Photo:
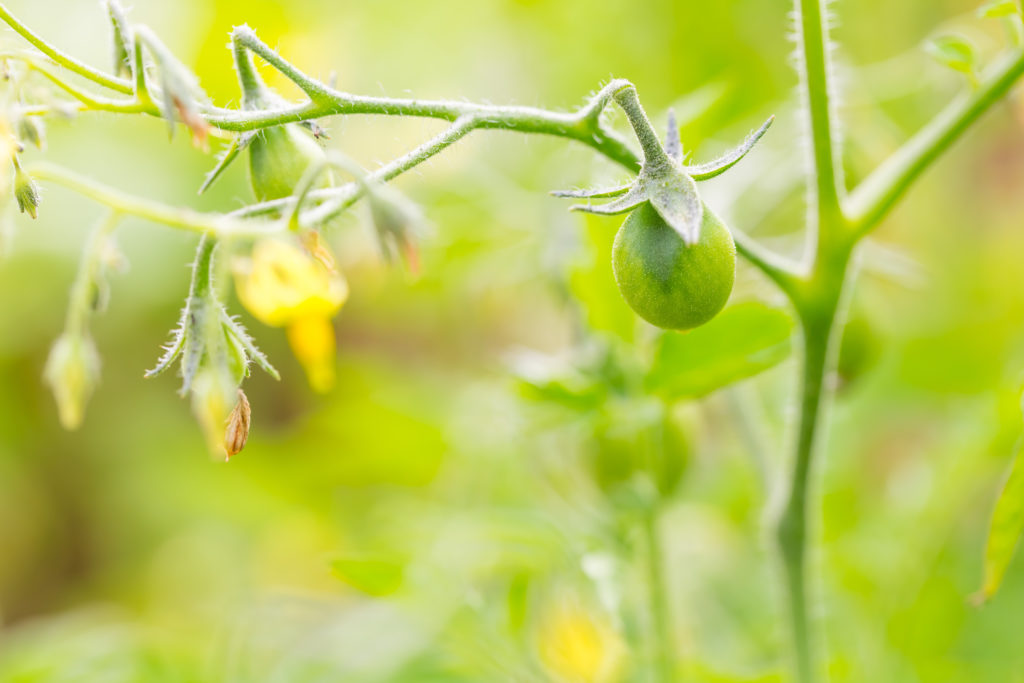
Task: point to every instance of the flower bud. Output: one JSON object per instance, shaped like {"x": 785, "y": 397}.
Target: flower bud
{"x": 213, "y": 396}
{"x": 396, "y": 220}
{"x": 26, "y": 192}
{"x": 31, "y": 131}
{"x": 237, "y": 431}
{"x": 72, "y": 371}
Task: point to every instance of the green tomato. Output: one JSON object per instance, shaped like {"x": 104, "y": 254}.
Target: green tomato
{"x": 278, "y": 158}
{"x": 638, "y": 438}
{"x": 665, "y": 281}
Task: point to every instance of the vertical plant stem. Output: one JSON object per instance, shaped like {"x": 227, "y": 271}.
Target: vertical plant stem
{"x": 815, "y": 73}
{"x": 662, "y": 669}
{"x": 817, "y": 303}
{"x": 792, "y": 531}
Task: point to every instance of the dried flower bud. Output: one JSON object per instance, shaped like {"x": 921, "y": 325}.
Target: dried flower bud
{"x": 72, "y": 371}
{"x": 26, "y": 192}
{"x": 237, "y": 431}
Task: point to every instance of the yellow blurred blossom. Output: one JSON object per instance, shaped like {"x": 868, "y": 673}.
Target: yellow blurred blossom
{"x": 283, "y": 286}
{"x": 579, "y": 645}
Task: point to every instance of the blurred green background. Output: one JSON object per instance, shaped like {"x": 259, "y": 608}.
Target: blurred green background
{"x": 436, "y": 519}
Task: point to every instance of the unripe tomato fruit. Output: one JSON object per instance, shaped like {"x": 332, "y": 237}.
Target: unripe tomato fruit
{"x": 666, "y": 282}
{"x": 278, "y": 158}
{"x": 639, "y": 438}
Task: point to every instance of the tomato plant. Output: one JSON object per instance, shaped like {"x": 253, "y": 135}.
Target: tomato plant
{"x": 673, "y": 261}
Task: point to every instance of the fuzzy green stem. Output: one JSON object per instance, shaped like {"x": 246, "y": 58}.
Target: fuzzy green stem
{"x": 67, "y": 61}
{"x": 201, "y": 286}
{"x": 792, "y": 529}
{"x": 336, "y": 200}
{"x": 139, "y": 77}
{"x": 249, "y": 79}
{"x": 317, "y": 91}
{"x": 815, "y": 73}
{"x": 873, "y": 198}
{"x": 184, "y": 219}
{"x": 817, "y": 302}
{"x": 654, "y": 153}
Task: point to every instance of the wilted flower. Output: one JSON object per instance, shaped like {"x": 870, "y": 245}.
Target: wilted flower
{"x": 283, "y": 286}
{"x": 237, "y": 431}
{"x": 72, "y": 371}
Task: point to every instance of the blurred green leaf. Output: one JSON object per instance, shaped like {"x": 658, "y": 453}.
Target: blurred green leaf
{"x": 1005, "y": 529}
{"x": 742, "y": 341}
{"x": 593, "y": 284}
{"x": 955, "y": 52}
{"x": 372, "y": 575}
{"x": 999, "y": 8}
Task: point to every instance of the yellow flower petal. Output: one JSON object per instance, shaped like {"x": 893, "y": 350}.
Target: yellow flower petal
{"x": 285, "y": 284}
{"x": 312, "y": 341}
{"x": 578, "y": 645}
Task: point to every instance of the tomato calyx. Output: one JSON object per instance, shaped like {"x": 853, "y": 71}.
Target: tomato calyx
{"x": 663, "y": 180}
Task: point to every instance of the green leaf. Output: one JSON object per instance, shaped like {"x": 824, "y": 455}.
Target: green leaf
{"x": 999, "y": 8}
{"x": 1005, "y": 529}
{"x": 740, "y": 342}
{"x": 373, "y": 576}
{"x": 593, "y": 284}
{"x": 955, "y": 52}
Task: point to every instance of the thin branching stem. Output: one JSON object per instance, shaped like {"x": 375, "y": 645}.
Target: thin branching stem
{"x": 67, "y": 61}
{"x": 182, "y": 218}
{"x": 873, "y": 198}
{"x": 815, "y": 288}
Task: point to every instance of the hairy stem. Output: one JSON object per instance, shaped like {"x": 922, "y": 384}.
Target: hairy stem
{"x": 817, "y": 302}
{"x": 793, "y": 524}
{"x": 873, "y": 198}
{"x": 815, "y": 74}
{"x": 67, "y": 61}
{"x": 181, "y": 218}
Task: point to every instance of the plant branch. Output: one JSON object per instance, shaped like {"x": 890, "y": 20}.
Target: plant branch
{"x": 815, "y": 73}
{"x": 67, "y": 61}
{"x": 317, "y": 91}
{"x": 90, "y": 101}
{"x": 584, "y": 126}
{"x": 184, "y": 219}
{"x": 873, "y": 198}
{"x": 816, "y": 299}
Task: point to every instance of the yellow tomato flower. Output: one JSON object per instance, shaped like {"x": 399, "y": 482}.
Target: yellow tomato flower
{"x": 283, "y": 286}
{"x": 312, "y": 341}
{"x": 578, "y": 645}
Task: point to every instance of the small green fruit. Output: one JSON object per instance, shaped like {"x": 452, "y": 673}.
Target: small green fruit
{"x": 666, "y": 282}
{"x": 278, "y": 158}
